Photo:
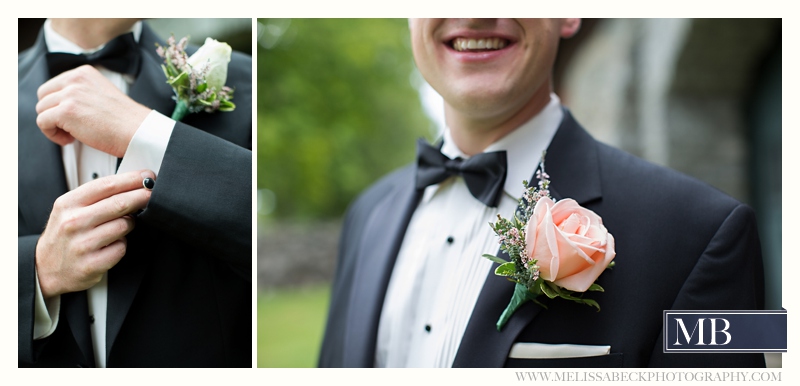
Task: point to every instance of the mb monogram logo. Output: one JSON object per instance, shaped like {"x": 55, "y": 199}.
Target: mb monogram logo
{"x": 725, "y": 331}
{"x": 688, "y": 338}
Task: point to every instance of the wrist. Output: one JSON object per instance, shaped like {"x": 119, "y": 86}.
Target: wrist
{"x": 48, "y": 282}
{"x": 133, "y": 123}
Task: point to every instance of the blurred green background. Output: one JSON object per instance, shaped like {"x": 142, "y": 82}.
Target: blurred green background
{"x": 338, "y": 107}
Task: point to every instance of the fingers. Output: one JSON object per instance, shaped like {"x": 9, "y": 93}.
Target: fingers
{"x": 48, "y": 101}
{"x": 109, "y": 232}
{"x": 59, "y": 136}
{"x": 48, "y": 118}
{"x": 64, "y": 79}
{"x": 107, "y": 257}
{"x": 89, "y": 108}
{"x": 102, "y": 188}
{"x": 118, "y": 205}
{"x": 48, "y": 122}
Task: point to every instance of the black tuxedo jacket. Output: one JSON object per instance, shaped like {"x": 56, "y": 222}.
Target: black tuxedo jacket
{"x": 680, "y": 245}
{"x": 181, "y": 296}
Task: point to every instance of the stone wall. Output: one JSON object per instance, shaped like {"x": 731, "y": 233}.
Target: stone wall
{"x": 296, "y": 254}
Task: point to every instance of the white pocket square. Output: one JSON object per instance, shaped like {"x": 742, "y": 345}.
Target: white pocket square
{"x": 548, "y": 351}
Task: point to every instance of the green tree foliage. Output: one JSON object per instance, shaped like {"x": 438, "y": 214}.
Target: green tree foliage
{"x": 337, "y": 109}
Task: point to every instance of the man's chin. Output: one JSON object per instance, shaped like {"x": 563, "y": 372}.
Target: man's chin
{"x": 480, "y": 101}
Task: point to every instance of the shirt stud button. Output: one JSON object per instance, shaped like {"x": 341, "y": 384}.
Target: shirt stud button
{"x": 91, "y": 319}
{"x": 450, "y": 239}
{"x": 94, "y": 176}
{"x": 428, "y": 327}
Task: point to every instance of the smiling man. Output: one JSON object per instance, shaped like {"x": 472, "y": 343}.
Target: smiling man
{"x": 412, "y": 288}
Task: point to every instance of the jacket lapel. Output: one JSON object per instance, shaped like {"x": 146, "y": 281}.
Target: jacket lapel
{"x": 572, "y": 164}
{"x": 151, "y": 90}
{"x": 377, "y": 253}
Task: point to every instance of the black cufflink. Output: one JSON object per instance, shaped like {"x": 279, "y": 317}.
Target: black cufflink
{"x": 149, "y": 183}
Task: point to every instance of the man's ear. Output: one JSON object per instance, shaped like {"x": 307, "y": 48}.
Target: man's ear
{"x": 569, "y": 27}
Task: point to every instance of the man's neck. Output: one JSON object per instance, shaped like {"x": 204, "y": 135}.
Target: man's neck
{"x": 473, "y": 135}
{"x": 91, "y": 33}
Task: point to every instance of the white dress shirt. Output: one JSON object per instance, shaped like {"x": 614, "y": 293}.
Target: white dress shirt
{"x": 82, "y": 164}
{"x": 440, "y": 271}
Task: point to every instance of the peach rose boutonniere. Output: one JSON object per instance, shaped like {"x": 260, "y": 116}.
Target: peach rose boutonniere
{"x": 557, "y": 249}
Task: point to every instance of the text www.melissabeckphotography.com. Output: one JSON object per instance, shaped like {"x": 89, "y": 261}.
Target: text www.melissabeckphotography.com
{"x": 646, "y": 376}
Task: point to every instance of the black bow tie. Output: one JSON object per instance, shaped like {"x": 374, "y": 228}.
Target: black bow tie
{"x": 119, "y": 55}
{"x": 485, "y": 173}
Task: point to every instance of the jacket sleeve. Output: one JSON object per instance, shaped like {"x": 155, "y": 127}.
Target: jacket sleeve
{"x": 203, "y": 196}
{"x": 28, "y": 348}
{"x": 729, "y": 275}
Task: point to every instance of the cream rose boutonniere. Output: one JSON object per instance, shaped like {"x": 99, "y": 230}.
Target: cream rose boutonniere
{"x": 199, "y": 80}
{"x": 557, "y": 249}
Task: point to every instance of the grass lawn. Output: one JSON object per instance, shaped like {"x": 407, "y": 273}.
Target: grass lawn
{"x": 290, "y": 326}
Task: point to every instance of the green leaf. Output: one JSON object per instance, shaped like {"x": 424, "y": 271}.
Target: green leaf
{"x": 547, "y": 290}
{"x": 519, "y": 224}
{"x": 592, "y": 303}
{"x": 596, "y": 287}
{"x": 226, "y": 106}
{"x": 558, "y": 290}
{"x": 505, "y": 269}
{"x": 181, "y": 80}
{"x": 495, "y": 259}
{"x": 611, "y": 265}
{"x": 202, "y": 87}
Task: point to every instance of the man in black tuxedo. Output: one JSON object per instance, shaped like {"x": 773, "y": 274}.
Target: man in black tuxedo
{"x": 167, "y": 267}
{"x": 411, "y": 288}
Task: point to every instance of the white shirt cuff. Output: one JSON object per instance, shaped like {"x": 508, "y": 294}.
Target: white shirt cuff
{"x": 148, "y": 145}
{"x": 45, "y": 313}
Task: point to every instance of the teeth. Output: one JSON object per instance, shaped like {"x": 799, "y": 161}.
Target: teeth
{"x": 463, "y": 44}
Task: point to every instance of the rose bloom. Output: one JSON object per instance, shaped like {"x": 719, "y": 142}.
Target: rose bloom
{"x": 216, "y": 56}
{"x": 570, "y": 243}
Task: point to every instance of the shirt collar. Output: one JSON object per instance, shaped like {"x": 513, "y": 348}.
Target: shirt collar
{"x": 58, "y": 43}
{"x": 523, "y": 146}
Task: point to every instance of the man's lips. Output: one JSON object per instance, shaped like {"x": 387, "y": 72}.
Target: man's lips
{"x": 462, "y": 44}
